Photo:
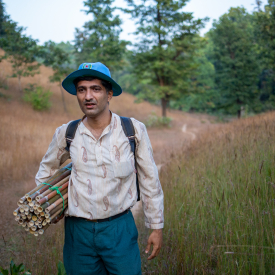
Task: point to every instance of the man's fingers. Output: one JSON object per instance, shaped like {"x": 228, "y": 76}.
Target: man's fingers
{"x": 154, "y": 253}
{"x": 147, "y": 249}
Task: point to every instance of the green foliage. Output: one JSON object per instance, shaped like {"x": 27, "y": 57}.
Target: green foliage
{"x": 14, "y": 270}
{"x": 59, "y": 57}
{"x": 165, "y": 52}
{"x": 99, "y": 38}
{"x": 20, "y": 269}
{"x": 155, "y": 121}
{"x": 264, "y": 21}
{"x": 37, "y": 97}
{"x": 61, "y": 268}
{"x": 235, "y": 59}
{"x": 20, "y": 50}
{"x": 3, "y": 18}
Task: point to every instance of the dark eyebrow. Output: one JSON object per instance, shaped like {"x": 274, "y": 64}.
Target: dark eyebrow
{"x": 84, "y": 87}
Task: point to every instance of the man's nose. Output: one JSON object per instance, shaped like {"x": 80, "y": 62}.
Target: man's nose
{"x": 89, "y": 94}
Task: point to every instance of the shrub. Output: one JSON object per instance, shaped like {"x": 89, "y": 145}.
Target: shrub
{"x": 37, "y": 97}
{"x": 20, "y": 269}
{"x": 155, "y": 121}
{"x": 14, "y": 270}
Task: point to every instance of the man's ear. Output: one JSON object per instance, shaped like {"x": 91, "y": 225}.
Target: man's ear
{"x": 110, "y": 95}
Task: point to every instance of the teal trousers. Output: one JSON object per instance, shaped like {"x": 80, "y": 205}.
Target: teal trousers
{"x": 101, "y": 248}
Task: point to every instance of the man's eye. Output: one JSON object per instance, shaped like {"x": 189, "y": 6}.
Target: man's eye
{"x": 97, "y": 89}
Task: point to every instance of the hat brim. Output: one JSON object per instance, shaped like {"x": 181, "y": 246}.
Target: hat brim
{"x": 68, "y": 82}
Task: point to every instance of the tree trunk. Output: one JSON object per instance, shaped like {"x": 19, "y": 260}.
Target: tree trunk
{"x": 239, "y": 113}
{"x": 19, "y": 84}
{"x": 63, "y": 98}
{"x": 164, "y": 106}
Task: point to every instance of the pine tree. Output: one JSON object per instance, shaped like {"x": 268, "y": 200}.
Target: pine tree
{"x": 99, "y": 40}
{"x": 20, "y": 50}
{"x": 235, "y": 60}
{"x": 166, "y": 50}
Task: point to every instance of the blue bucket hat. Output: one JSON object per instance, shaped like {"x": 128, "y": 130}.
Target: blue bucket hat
{"x": 97, "y": 70}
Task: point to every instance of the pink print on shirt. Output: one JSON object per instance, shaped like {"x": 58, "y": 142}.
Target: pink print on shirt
{"x": 90, "y": 189}
{"x": 117, "y": 154}
{"x": 115, "y": 123}
{"x": 106, "y": 203}
{"x": 130, "y": 193}
{"x": 91, "y": 216}
{"x": 104, "y": 171}
{"x": 59, "y": 153}
{"x": 84, "y": 156}
{"x": 133, "y": 165}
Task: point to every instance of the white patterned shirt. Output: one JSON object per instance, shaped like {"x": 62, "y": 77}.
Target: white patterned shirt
{"x": 103, "y": 179}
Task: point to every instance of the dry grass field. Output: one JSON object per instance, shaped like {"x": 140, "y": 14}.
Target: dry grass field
{"x": 219, "y": 202}
{"x": 24, "y": 137}
{"x": 218, "y": 182}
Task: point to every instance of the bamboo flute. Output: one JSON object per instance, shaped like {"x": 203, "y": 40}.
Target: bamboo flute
{"x": 16, "y": 211}
{"x": 53, "y": 193}
{"x": 39, "y": 197}
{"x": 52, "y": 200}
{"x": 41, "y": 231}
{"x": 58, "y": 173}
{"x": 60, "y": 206}
{"x": 22, "y": 200}
{"x": 46, "y": 187}
{"x": 52, "y": 206}
{"x": 42, "y": 206}
{"x": 50, "y": 219}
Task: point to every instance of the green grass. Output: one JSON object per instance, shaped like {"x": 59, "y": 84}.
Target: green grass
{"x": 220, "y": 203}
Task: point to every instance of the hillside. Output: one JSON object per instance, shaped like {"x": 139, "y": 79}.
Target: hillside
{"x": 24, "y": 137}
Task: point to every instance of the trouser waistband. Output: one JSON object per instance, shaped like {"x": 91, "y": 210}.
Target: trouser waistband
{"x": 110, "y": 218}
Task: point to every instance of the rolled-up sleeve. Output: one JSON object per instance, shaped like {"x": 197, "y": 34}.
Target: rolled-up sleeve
{"x": 150, "y": 187}
{"x": 55, "y": 156}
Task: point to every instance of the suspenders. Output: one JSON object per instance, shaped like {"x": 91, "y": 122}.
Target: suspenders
{"x": 129, "y": 132}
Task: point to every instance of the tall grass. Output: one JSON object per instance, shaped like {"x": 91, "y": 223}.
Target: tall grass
{"x": 220, "y": 203}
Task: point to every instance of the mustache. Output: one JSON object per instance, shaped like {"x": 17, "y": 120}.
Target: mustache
{"x": 89, "y": 101}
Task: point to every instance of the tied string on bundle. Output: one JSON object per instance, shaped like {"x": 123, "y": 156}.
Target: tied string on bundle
{"x": 56, "y": 188}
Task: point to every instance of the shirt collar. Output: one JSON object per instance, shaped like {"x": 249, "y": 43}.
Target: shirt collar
{"x": 84, "y": 130}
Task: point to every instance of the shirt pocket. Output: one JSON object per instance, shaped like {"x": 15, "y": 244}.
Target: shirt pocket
{"x": 123, "y": 169}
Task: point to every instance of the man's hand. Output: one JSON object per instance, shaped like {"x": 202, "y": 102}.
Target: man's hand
{"x": 58, "y": 219}
{"x": 154, "y": 239}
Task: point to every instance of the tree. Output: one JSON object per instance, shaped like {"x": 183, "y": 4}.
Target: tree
{"x": 20, "y": 50}
{"x": 165, "y": 52}
{"x": 99, "y": 39}
{"x": 3, "y": 18}
{"x": 265, "y": 33}
{"x": 59, "y": 58}
{"x": 235, "y": 60}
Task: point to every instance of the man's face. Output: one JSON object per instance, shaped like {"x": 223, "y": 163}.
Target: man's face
{"x": 92, "y": 97}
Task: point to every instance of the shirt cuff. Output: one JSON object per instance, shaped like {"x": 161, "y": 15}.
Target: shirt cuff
{"x": 154, "y": 225}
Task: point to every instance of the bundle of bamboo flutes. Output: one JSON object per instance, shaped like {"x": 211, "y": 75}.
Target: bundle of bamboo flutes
{"x": 45, "y": 203}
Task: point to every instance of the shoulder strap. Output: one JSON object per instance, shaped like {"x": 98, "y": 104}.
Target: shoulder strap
{"x": 70, "y": 133}
{"x": 129, "y": 131}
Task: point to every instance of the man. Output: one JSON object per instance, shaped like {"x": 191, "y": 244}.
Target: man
{"x": 100, "y": 232}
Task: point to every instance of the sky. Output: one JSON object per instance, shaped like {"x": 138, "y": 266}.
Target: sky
{"x": 56, "y": 20}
